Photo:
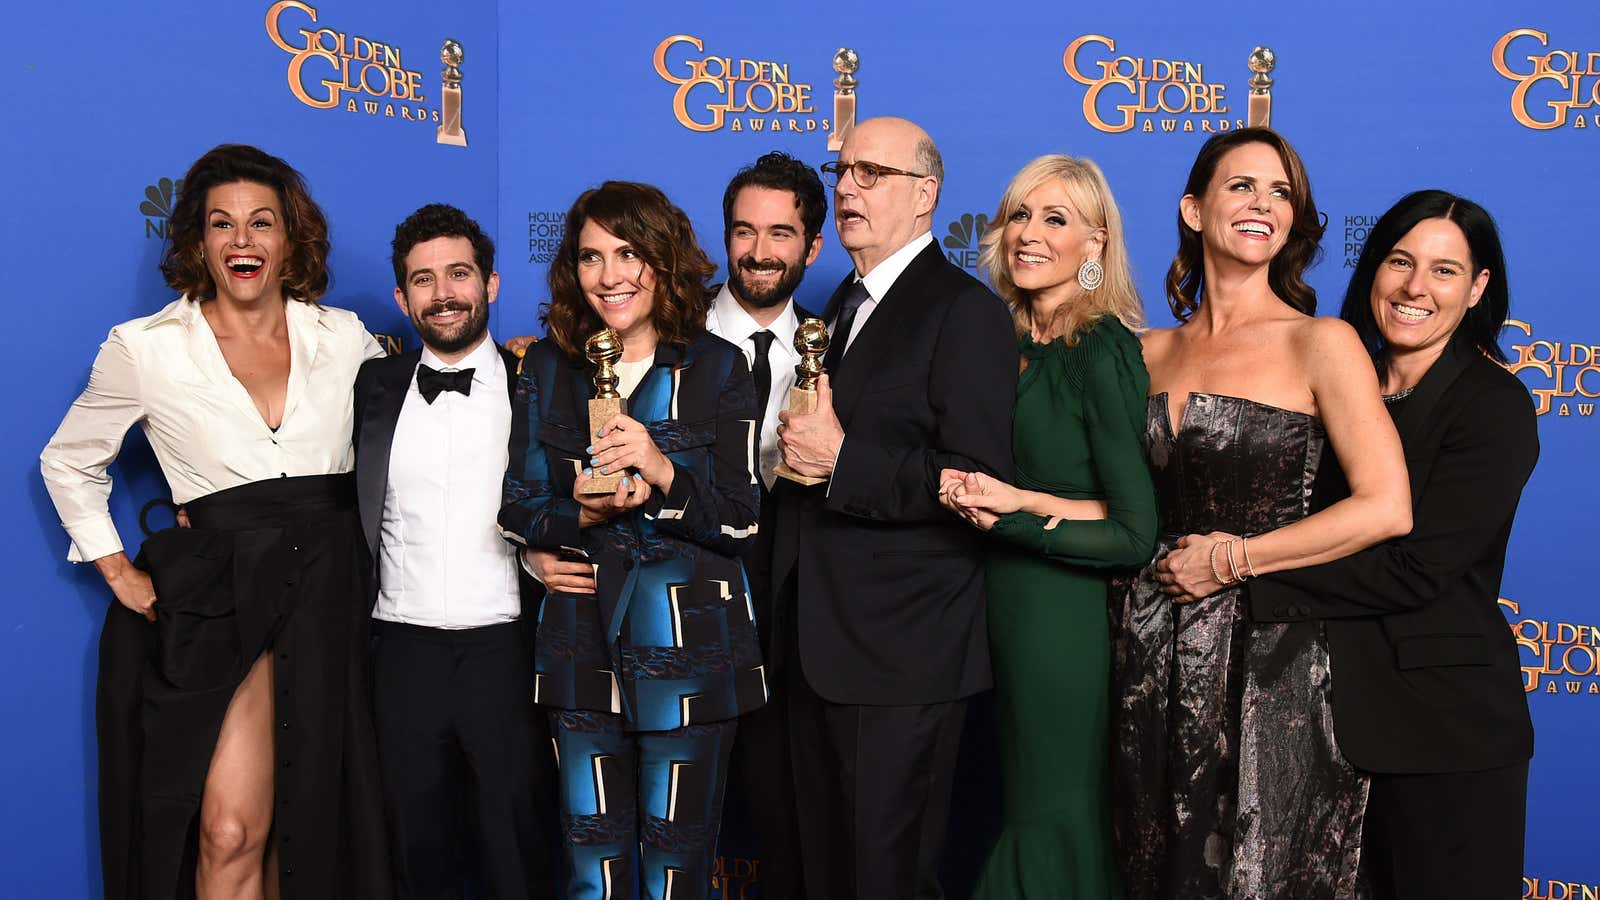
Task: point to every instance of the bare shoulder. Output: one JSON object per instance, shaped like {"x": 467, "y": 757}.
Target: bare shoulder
{"x": 1327, "y": 340}
{"x": 1157, "y": 340}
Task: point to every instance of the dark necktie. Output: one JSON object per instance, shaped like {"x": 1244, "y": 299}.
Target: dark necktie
{"x": 431, "y": 382}
{"x": 763, "y": 376}
{"x": 843, "y": 323}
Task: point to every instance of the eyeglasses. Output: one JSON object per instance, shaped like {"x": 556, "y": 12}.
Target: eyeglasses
{"x": 866, "y": 174}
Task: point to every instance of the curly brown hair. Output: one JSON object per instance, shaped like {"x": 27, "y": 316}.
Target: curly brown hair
{"x": 658, "y": 231}
{"x": 1286, "y": 273}
{"x": 304, "y": 274}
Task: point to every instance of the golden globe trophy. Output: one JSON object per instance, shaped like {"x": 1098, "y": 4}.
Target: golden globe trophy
{"x": 450, "y": 131}
{"x": 811, "y": 342}
{"x": 604, "y": 349}
{"x": 1262, "y": 62}
{"x": 845, "y": 62}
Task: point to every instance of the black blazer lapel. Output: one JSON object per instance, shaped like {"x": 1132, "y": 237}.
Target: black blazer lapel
{"x": 382, "y": 411}
{"x": 876, "y": 337}
{"x": 1412, "y": 420}
{"x": 513, "y": 368}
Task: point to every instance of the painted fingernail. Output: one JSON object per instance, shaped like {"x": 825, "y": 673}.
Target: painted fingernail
{"x": 589, "y": 449}
{"x": 624, "y": 479}
{"x": 606, "y": 470}
{"x": 600, "y": 433}
{"x": 594, "y": 462}
{"x": 588, "y": 471}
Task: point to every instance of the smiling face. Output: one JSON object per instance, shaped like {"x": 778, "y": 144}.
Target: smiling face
{"x": 1424, "y": 287}
{"x": 618, "y": 284}
{"x": 446, "y": 297}
{"x": 1245, "y": 213}
{"x": 246, "y": 244}
{"x": 1045, "y": 241}
{"x": 767, "y": 253}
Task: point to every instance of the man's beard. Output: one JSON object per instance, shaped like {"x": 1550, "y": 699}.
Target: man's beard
{"x": 764, "y": 298}
{"x": 459, "y": 337}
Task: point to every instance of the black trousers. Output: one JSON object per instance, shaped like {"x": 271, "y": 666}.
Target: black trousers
{"x": 1455, "y": 835}
{"x": 872, "y": 785}
{"x": 764, "y": 772}
{"x": 467, "y": 763}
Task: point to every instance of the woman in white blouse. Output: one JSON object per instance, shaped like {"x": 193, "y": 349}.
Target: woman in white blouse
{"x": 242, "y": 701}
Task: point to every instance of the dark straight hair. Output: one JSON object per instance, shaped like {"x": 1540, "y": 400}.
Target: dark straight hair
{"x": 1482, "y": 323}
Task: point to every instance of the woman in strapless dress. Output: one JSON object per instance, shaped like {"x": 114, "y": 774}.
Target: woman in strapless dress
{"x": 1227, "y": 780}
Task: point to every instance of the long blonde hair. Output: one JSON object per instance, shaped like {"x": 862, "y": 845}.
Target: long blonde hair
{"x": 1091, "y": 198}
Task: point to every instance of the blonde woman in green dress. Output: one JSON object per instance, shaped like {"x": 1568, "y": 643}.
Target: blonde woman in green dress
{"x": 1083, "y": 506}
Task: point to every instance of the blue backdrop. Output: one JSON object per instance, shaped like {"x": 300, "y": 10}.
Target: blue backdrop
{"x": 107, "y": 106}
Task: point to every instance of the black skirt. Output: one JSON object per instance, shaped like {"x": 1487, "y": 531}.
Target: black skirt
{"x": 276, "y": 567}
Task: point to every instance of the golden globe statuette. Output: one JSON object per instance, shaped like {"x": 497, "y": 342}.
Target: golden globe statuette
{"x": 1262, "y": 62}
{"x": 604, "y": 349}
{"x": 845, "y": 62}
{"x": 811, "y": 342}
{"x": 450, "y": 131}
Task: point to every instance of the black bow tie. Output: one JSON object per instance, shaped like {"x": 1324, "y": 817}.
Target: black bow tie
{"x": 431, "y": 382}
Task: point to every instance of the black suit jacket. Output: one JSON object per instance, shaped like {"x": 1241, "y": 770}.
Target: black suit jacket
{"x": 1426, "y": 672}
{"x": 771, "y": 617}
{"x": 890, "y": 592}
{"x": 380, "y": 391}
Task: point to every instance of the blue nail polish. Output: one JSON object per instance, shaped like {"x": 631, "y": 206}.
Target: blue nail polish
{"x": 624, "y": 479}
{"x": 589, "y": 449}
{"x": 588, "y": 471}
{"x": 605, "y": 470}
{"x": 600, "y": 433}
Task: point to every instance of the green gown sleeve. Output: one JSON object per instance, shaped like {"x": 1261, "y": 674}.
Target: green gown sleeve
{"x": 1115, "y": 385}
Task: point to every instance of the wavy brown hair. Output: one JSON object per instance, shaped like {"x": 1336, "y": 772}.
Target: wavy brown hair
{"x": 304, "y": 274}
{"x": 642, "y": 216}
{"x": 1286, "y": 272}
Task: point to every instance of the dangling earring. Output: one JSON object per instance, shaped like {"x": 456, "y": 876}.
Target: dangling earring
{"x": 1090, "y": 274}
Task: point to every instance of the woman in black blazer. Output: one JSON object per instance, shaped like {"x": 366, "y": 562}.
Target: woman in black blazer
{"x": 1428, "y": 697}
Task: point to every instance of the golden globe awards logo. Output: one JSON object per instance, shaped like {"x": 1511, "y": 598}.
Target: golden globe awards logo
{"x": 1148, "y": 93}
{"x": 1550, "y": 889}
{"x": 1562, "y": 377}
{"x": 733, "y": 876}
{"x": 1557, "y": 657}
{"x": 716, "y": 92}
{"x": 1554, "y": 88}
{"x": 332, "y": 69}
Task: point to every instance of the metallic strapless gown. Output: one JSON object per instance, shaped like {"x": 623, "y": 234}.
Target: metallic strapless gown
{"x": 1227, "y": 780}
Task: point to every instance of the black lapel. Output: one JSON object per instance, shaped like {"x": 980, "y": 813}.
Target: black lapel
{"x": 1413, "y": 417}
{"x": 389, "y": 386}
{"x": 513, "y": 366}
{"x": 832, "y": 307}
{"x": 875, "y": 340}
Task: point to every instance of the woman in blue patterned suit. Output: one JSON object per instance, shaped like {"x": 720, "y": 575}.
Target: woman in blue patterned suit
{"x": 647, "y": 673}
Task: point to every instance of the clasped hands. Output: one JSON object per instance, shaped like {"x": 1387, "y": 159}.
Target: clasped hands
{"x": 622, "y": 443}
{"x": 1185, "y": 573}
{"x": 810, "y": 441}
{"x": 978, "y": 498}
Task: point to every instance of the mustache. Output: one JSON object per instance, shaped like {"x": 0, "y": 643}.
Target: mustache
{"x": 771, "y": 265}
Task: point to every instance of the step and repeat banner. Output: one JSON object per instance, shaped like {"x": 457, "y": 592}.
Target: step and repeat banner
{"x": 107, "y": 106}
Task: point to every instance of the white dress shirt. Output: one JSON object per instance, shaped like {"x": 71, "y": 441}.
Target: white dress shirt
{"x": 879, "y": 281}
{"x": 728, "y": 320}
{"x": 441, "y": 560}
{"x": 167, "y": 373}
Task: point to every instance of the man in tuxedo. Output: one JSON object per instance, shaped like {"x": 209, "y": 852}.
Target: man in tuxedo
{"x": 464, "y": 753}
{"x": 887, "y": 588}
{"x": 772, "y": 215}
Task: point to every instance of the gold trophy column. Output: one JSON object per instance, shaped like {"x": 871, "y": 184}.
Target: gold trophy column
{"x": 1262, "y": 62}
{"x": 450, "y": 131}
{"x": 604, "y": 349}
{"x": 811, "y": 342}
{"x": 845, "y": 62}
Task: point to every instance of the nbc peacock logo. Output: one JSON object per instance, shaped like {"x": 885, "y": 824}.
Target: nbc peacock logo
{"x": 159, "y": 198}
{"x": 961, "y": 241}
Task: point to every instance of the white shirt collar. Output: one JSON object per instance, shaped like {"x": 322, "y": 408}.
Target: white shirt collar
{"x": 481, "y": 360}
{"x": 884, "y": 274}
{"x": 735, "y": 326}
